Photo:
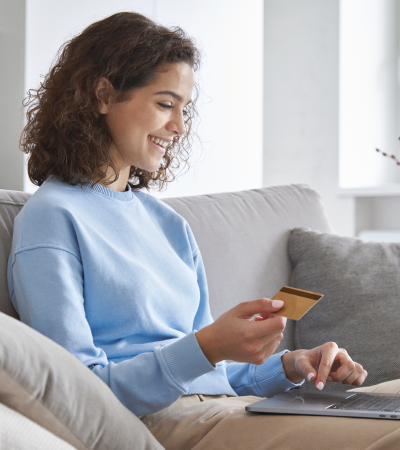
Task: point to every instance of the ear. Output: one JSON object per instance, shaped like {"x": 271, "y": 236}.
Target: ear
{"x": 103, "y": 91}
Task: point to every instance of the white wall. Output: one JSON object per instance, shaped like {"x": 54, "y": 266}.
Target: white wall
{"x": 12, "y": 50}
{"x": 301, "y": 110}
{"x": 377, "y": 213}
{"x": 369, "y": 92}
{"x": 369, "y": 108}
{"x": 229, "y": 32}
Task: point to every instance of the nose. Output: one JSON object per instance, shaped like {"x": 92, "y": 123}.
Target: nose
{"x": 176, "y": 124}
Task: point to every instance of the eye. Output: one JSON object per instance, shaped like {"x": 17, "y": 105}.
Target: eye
{"x": 165, "y": 106}
{"x": 185, "y": 112}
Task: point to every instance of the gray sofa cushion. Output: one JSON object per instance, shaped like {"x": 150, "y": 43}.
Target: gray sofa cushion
{"x": 360, "y": 310}
{"x": 42, "y": 381}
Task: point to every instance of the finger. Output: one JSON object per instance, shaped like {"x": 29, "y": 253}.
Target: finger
{"x": 357, "y": 372}
{"x": 347, "y": 368}
{"x": 328, "y": 355}
{"x": 360, "y": 380}
{"x": 269, "y": 348}
{"x": 304, "y": 366}
{"x": 273, "y": 316}
{"x": 248, "y": 309}
{"x": 271, "y": 328}
{"x": 263, "y": 316}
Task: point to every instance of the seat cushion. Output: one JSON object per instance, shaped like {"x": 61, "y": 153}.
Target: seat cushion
{"x": 11, "y": 203}
{"x": 360, "y": 310}
{"x": 43, "y": 382}
{"x": 34, "y": 437}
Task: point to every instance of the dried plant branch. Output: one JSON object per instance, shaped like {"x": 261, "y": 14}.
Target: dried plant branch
{"x": 390, "y": 156}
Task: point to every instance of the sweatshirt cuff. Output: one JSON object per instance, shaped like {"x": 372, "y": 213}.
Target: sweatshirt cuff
{"x": 183, "y": 361}
{"x": 270, "y": 377}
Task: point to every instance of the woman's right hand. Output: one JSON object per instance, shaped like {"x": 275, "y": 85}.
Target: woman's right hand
{"x": 234, "y": 336}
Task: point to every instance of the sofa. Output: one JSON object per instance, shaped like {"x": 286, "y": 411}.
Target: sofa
{"x": 53, "y": 401}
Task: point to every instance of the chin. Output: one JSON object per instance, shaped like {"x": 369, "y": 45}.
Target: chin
{"x": 150, "y": 168}
{"x": 155, "y": 167}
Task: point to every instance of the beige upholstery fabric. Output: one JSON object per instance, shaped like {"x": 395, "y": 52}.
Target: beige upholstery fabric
{"x": 11, "y": 203}
{"x": 204, "y": 422}
{"x": 45, "y": 383}
{"x": 243, "y": 238}
{"x": 19, "y": 433}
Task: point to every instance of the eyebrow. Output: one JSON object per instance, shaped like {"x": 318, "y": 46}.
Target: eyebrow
{"x": 172, "y": 94}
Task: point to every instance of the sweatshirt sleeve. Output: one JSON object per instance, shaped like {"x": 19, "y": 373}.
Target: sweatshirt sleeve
{"x": 46, "y": 285}
{"x": 265, "y": 380}
{"x": 203, "y": 316}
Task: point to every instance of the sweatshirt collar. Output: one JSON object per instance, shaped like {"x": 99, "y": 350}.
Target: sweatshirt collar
{"x": 127, "y": 195}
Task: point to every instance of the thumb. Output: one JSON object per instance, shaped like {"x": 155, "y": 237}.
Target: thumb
{"x": 262, "y": 305}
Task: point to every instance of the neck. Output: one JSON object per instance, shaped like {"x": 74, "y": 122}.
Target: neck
{"x": 120, "y": 184}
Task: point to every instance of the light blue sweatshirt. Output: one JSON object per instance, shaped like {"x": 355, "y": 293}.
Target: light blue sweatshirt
{"x": 117, "y": 279}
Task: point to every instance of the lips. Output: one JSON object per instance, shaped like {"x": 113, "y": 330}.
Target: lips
{"x": 159, "y": 141}
{"x": 157, "y": 146}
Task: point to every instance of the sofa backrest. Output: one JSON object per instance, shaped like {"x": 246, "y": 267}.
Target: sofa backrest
{"x": 11, "y": 203}
{"x": 243, "y": 238}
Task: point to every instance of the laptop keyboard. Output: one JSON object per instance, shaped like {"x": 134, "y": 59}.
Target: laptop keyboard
{"x": 363, "y": 402}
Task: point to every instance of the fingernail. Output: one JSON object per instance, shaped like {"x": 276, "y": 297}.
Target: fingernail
{"x": 309, "y": 376}
{"x": 320, "y": 385}
{"x": 277, "y": 303}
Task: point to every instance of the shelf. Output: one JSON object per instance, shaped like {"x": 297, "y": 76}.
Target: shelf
{"x": 388, "y": 190}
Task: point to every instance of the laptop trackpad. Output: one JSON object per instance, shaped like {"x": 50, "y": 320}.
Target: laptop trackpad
{"x": 301, "y": 399}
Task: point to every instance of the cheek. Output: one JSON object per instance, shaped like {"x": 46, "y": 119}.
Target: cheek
{"x": 122, "y": 126}
{"x": 116, "y": 123}
{"x": 153, "y": 119}
{"x": 135, "y": 123}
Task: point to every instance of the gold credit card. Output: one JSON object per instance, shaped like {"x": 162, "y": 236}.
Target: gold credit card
{"x": 297, "y": 302}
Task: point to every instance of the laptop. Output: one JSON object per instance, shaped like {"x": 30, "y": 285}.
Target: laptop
{"x": 343, "y": 404}
{"x": 316, "y": 403}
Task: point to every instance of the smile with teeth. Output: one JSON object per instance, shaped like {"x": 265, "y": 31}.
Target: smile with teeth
{"x": 158, "y": 141}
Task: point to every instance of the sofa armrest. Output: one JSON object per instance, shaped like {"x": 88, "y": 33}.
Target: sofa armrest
{"x": 43, "y": 382}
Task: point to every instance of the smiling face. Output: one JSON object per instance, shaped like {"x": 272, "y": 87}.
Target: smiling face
{"x": 144, "y": 125}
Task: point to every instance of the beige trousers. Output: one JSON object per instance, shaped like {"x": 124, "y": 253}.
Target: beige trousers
{"x": 207, "y": 422}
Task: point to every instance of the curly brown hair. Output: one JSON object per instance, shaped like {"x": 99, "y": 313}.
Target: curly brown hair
{"x": 65, "y": 133}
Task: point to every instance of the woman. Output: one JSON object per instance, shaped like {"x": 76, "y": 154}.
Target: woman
{"x": 113, "y": 274}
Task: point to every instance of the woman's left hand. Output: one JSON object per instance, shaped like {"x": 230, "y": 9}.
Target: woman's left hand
{"x": 325, "y": 363}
